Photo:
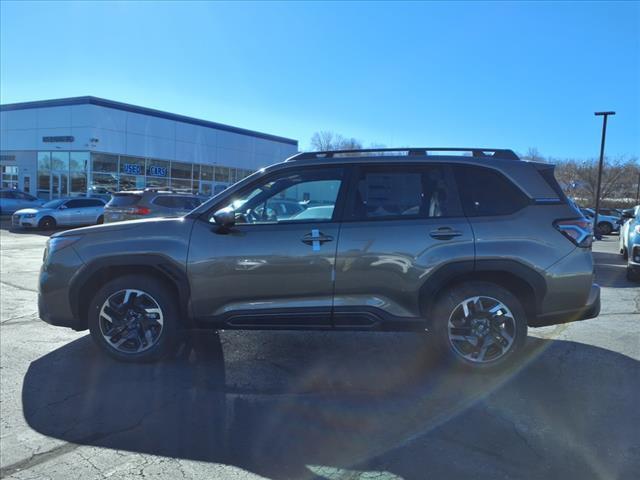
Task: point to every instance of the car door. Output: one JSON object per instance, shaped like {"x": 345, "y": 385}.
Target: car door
{"x": 74, "y": 213}
{"x": 265, "y": 271}
{"x": 91, "y": 208}
{"x": 402, "y": 228}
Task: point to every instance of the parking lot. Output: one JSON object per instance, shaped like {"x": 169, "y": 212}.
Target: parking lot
{"x": 316, "y": 405}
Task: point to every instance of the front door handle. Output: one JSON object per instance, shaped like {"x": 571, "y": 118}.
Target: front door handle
{"x": 444, "y": 233}
{"x": 316, "y": 238}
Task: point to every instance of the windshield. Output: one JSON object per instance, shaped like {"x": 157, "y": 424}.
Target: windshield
{"x": 53, "y": 204}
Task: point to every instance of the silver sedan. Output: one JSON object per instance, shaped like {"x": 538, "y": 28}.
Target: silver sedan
{"x": 62, "y": 212}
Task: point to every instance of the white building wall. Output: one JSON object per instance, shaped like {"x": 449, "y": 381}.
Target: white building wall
{"x": 129, "y": 133}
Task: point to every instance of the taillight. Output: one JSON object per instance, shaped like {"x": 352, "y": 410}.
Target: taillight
{"x": 141, "y": 211}
{"x": 137, "y": 210}
{"x": 578, "y": 230}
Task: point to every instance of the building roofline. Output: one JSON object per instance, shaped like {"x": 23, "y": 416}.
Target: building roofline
{"x": 126, "y": 107}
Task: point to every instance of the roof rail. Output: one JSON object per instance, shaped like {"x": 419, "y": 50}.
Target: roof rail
{"x": 501, "y": 153}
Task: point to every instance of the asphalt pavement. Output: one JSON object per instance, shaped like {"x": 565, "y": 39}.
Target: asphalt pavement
{"x": 325, "y": 405}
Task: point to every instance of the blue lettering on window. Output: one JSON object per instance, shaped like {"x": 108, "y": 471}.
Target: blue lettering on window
{"x": 132, "y": 169}
{"x": 158, "y": 171}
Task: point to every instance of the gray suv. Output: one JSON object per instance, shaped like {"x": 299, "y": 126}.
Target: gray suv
{"x": 137, "y": 204}
{"x": 472, "y": 247}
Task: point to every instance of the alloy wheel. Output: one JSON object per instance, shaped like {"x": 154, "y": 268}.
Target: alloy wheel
{"x": 131, "y": 321}
{"x": 481, "y": 329}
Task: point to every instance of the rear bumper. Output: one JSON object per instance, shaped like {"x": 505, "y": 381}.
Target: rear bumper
{"x": 590, "y": 310}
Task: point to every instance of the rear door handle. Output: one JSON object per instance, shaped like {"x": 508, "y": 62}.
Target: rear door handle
{"x": 444, "y": 233}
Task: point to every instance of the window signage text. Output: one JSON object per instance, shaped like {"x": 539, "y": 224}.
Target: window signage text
{"x": 67, "y": 139}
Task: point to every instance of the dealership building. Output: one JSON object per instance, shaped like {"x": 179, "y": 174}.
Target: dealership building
{"x": 92, "y": 146}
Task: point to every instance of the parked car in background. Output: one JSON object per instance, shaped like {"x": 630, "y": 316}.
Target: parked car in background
{"x": 137, "y": 204}
{"x": 63, "y": 212}
{"x": 607, "y": 224}
{"x": 630, "y": 242}
{"x": 12, "y": 200}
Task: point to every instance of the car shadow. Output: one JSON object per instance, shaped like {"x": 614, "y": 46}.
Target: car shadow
{"x": 5, "y": 224}
{"x": 322, "y": 405}
{"x": 611, "y": 270}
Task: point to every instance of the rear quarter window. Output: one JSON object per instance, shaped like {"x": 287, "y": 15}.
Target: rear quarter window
{"x": 123, "y": 200}
{"x": 486, "y": 192}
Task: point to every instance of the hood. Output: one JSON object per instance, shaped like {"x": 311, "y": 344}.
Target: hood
{"x": 32, "y": 210}
{"x": 119, "y": 226}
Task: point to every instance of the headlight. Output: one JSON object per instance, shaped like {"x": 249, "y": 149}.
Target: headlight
{"x": 29, "y": 215}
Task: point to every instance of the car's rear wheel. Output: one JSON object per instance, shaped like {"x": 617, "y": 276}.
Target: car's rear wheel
{"x": 47, "y": 223}
{"x": 605, "y": 228}
{"x": 479, "y": 325}
{"x": 100, "y": 220}
{"x": 134, "y": 318}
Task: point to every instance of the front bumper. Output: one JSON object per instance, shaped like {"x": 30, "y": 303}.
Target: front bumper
{"x": 22, "y": 222}
{"x": 590, "y": 310}
{"x": 54, "y": 306}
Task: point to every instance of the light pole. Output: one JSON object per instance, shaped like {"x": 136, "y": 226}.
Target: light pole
{"x": 604, "y": 134}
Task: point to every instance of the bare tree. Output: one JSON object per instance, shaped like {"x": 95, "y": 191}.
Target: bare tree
{"x": 533, "y": 155}
{"x": 327, "y": 140}
{"x": 579, "y": 179}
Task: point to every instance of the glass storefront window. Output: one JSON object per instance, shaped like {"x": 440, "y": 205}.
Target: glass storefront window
{"x": 131, "y": 182}
{"x": 44, "y": 172}
{"x": 157, "y": 182}
{"x": 131, "y": 165}
{"x": 196, "y": 172}
{"x": 60, "y": 161}
{"x": 157, "y": 168}
{"x": 222, "y": 174}
{"x": 180, "y": 170}
{"x": 78, "y": 183}
{"x": 103, "y": 183}
{"x": 181, "y": 185}
{"x": 9, "y": 175}
{"x": 78, "y": 161}
{"x": 206, "y": 172}
{"x": 104, "y": 163}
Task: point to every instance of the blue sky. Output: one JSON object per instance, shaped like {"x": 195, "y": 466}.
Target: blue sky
{"x": 499, "y": 74}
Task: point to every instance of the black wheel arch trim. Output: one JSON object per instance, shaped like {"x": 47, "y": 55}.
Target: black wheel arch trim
{"x": 165, "y": 266}
{"x": 471, "y": 270}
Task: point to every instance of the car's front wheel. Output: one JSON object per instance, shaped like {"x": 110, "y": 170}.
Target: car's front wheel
{"x": 47, "y": 223}
{"x": 633, "y": 273}
{"x": 134, "y": 318}
{"x": 479, "y": 325}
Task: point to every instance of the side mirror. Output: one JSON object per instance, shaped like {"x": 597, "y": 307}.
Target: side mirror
{"x": 62, "y": 207}
{"x": 225, "y": 217}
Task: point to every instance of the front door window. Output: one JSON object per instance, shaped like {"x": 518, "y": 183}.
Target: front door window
{"x": 300, "y": 197}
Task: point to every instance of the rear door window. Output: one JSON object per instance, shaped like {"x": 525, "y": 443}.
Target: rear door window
{"x": 123, "y": 200}
{"x": 486, "y": 192}
{"x": 403, "y": 192}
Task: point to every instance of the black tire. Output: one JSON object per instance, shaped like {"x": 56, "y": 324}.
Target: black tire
{"x": 625, "y": 254}
{"x": 605, "y": 228}
{"x": 448, "y": 306}
{"x": 47, "y": 223}
{"x": 165, "y": 300}
{"x": 100, "y": 220}
{"x": 633, "y": 274}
